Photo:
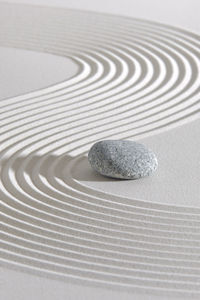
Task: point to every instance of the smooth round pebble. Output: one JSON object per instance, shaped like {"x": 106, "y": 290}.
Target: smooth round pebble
{"x": 122, "y": 159}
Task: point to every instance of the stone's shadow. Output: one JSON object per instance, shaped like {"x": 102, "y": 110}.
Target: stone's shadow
{"x": 84, "y": 172}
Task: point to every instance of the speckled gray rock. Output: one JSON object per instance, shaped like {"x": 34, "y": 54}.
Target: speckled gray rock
{"x": 122, "y": 159}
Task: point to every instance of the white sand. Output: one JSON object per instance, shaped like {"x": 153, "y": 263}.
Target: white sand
{"x": 63, "y": 225}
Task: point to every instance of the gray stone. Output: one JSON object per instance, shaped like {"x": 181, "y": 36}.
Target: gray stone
{"x": 122, "y": 159}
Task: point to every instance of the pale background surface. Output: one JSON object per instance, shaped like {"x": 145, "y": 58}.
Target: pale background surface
{"x": 181, "y": 188}
{"x": 178, "y": 13}
{"x": 19, "y": 67}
